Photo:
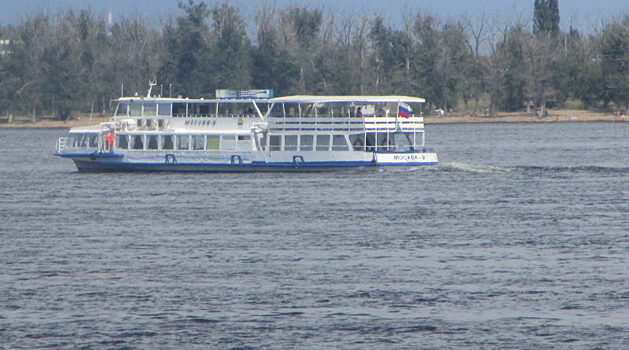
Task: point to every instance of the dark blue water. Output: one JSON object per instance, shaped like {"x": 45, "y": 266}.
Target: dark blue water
{"x": 518, "y": 240}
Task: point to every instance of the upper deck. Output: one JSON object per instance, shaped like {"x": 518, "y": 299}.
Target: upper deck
{"x": 345, "y": 113}
{"x": 148, "y": 107}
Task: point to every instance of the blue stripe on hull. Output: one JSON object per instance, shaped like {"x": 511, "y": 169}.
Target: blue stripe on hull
{"x": 88, "y": 165}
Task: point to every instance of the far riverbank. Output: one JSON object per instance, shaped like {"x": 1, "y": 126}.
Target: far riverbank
{"x": 554, "y": 116}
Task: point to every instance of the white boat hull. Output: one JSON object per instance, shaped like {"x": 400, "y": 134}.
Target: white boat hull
{"x": 250, "y": 162}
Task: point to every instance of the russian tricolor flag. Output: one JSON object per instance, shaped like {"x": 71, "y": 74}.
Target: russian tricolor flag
{"x": 404, "y": 110}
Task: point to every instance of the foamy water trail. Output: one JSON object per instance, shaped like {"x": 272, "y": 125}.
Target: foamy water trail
{"x": 481, "y": 169}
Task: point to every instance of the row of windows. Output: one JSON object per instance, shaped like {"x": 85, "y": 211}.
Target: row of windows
{"x": 83, "y": 140}
{"x": 188, "y": 109}
{"x": 177, "y": 142}
{"x": 308, "y": 143}
{"x": 357, "y": 142}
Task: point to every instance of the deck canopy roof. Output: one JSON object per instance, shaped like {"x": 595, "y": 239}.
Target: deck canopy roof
{"x": 189, "y": 100}
{"x": 347, "y": 99}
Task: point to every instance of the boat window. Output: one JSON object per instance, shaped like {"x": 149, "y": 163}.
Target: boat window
{"x": 277, "y": 110}
{"x": 72, "y": 141}
{"x": 183, "y": 142}
{"x": 291, "y": 110}
{"x": 122, "y": 109}
{"x": 193, "y": 109}
{"x": 263, "y": 142}
{"x": 290, "y": 143}
{"x": 85, "y": 140}
{"x": 323, "y": 142}
{"x": 150, "y": 109}
{"x": 93, "y": 141}
{"x": 179, "y": 109}
{"x": 204, "y": 109}
{"x": 135, "y": 110}
{"x": 244, "y": 137}
{"x": 138, "y": 141}
{"x": 305, "y": 142}
{"x": 163, "y": 109}
{"x": 339, "y": 143}
{"x": 308, "y": 110}
{"x": 151, "y": 142}
{"x": 357, "y": 141}
{"x": 122, "y": 141}
{"x": 275, "y": 142}
{"x": 197, "y": 142}
{"x": 213, "y": 142}
{"x": 339, "y": 109}
{"x": 229, "y": 109}
{"x": 323, "y": 110}
{"x": 166, "y": 142}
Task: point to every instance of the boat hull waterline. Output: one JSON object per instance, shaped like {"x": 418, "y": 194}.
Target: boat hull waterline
{"x": 115, "y": 163}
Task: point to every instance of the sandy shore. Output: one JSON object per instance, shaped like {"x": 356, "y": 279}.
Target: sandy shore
{"x": 554, "y": 116}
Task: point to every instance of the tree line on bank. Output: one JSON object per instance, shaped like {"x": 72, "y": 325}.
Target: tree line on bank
{"x": 77, "y": 61}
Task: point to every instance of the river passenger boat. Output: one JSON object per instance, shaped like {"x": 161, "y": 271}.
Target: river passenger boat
{"x": 247, "y": 132}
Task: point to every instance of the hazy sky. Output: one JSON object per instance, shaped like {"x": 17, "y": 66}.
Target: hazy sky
{"x": 581, "y": 13}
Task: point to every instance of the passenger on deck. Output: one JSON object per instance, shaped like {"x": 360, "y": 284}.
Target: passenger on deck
{"x": 109, "y": 141}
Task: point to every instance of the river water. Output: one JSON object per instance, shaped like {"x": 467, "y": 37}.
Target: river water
{"x": 519, "y": 239}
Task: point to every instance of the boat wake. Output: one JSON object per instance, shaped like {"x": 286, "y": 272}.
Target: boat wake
{"x": 575, "y": 169}
{"x": 480, "y": 169}
{"x": 485, "y": 169}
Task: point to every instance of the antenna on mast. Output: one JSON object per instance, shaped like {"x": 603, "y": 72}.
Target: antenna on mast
{"x": 151, "y": 84}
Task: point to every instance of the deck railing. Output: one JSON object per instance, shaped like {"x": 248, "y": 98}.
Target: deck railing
{"x": 367, "y": 124}
{"x": 61, "y": 144}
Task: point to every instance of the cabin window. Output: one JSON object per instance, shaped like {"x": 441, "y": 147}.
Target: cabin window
{"x": 193, "y": 109}
{"x": 290, "y": 143}
{"x": 324, "y": 111}
{"x": 85, "y": 141}
{"x": 135, "y": 110}
{"x": 357, "y": 141}
{"x": 262, "y": 141}
{"x": 183, "y": 142}
{"x": 307, "y": 110}
{"x": 275, "y": 143}
{"x": 244, "y": 137}
{"x": 197, "y": 142}
{"x": 213, "y": 142}
{"x": 277, "y": 110}
{"x": 122, "y": 141}
{"x": 179, "y": 109}
{"x": 163, "y": 109}
{"x": 291, "y": 110}
{"x": 323, "y": 142}
{"x": 73, "y": 141}
{"x": 138, "y": 141}
{"x": 93, "y": 141}
{"x": 305, "y": 142}
{"x": 167, "y": 142}
{"x": 339, "y": 143}
{"x": 151, "y": 142}
{"x": 123, "y": 109}
{"x": 150, "y": 109}
{"x": 204, "y": 109}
